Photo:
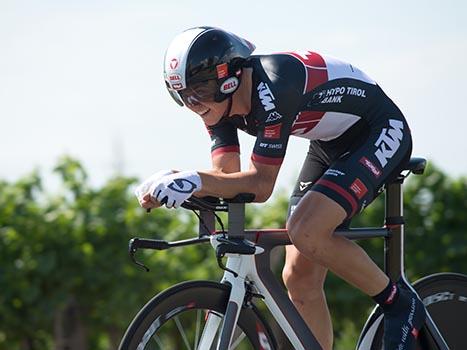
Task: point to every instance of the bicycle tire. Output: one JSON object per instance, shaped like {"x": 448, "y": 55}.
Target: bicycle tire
{"x": 188, "y": 297}
{"x": 445, "y": 297}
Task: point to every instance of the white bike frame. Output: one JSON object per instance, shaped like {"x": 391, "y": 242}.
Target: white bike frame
{"x": 246, "y": 268}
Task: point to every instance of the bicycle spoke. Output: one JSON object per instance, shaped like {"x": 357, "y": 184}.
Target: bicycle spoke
{"x": 192, "y": 321}
{"x": 237, "y": 341}
{"x": 157, "y": 340}
{"x": 198, "y": 321}
{"x": 182, "y": 332}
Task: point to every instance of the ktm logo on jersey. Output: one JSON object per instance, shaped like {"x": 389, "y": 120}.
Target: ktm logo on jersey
{"x": 389, "y": 141}
{"x": 266, "y": 96}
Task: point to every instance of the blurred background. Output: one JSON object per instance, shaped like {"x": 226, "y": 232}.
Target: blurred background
{"x": 84, "y": 116}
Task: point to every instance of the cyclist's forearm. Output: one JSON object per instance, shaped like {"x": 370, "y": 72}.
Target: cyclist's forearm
{"x": 219, "y": 184}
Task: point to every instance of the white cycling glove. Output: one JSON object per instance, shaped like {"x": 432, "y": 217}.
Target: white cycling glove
{"x": 150, "y": 183}
{"x": 175, "y": 188}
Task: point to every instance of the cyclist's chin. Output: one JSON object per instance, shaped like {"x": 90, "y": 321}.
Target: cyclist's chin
{"x": 211, "y": 118}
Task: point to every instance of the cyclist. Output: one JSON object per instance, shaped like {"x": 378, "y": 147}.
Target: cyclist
{"x": 359, "y": 140}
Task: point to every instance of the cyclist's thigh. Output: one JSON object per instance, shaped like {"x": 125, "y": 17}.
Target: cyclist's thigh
{"x": 354, "y": 179}
{"x": 319, "y": 158}
{"x": 297, "y": 266}
{"x": 313, "y": 168}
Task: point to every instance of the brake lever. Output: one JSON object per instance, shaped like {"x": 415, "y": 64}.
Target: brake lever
{"x": 132, "y": 248}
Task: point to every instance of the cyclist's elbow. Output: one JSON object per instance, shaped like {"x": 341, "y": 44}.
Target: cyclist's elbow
{"x": 262, "y": 185}
{"x": 262, "y": 193}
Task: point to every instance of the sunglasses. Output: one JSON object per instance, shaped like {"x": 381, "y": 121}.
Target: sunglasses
{"x": 204, "y": 91}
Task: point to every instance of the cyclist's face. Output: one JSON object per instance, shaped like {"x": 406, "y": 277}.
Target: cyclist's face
{"x": 210, "y": 112}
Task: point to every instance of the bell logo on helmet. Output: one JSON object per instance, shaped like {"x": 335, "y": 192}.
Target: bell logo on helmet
{"x": 173, "y": 63}
{"x": 206, "y": 53}
{"x": 175, "y": 77}
{"x": 230, "y": 85}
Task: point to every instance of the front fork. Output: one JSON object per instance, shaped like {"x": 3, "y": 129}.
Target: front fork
{"x": 234, "y": 276}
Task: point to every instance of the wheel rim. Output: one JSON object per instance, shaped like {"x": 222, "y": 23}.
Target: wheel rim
{"x": 184, "y": 329}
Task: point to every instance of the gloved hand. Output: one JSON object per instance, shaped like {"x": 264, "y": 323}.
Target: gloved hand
{"x": 149, "y": 184}
{"x": 172, "y": 190}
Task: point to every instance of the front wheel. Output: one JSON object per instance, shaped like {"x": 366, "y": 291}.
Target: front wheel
{"x": 445, "y": 297}
{"x": 188, "y": 316}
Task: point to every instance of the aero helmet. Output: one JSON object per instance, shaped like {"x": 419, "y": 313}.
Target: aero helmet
{"x": 203, "y": 64}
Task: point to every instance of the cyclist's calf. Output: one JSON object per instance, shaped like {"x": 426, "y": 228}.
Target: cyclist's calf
{"x": 303, "y": 277}
{"x": 304, "y": 280}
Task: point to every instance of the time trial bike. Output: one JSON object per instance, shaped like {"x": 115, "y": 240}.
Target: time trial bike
{"x": 205, "y": 315}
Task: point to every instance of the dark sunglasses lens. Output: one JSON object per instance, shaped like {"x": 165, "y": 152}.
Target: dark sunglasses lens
{"x": 200, "y": 92}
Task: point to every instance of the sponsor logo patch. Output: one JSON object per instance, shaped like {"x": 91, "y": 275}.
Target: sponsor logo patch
{"x": 391, "y": 296}
{"x": 173, "y": 63}
{"x": 230, "y": 85}
{"x": 222, "y": 70}
{"x": 370, "y": 166}
{"x": 359, "y": 188}
{"x": 389, "y": 141}
{"x": 334, "y": 172}
{"x": 273, "y": 116}
{"x": 273, "y": 131}
{"x": 270, "y": 145}
{"x": 266, "y": 96}
{"x": 304, "y": 185}
{"x": 175, "y": 77}
{"x": 176, "y": 86}
{"x": 182, "y": 186}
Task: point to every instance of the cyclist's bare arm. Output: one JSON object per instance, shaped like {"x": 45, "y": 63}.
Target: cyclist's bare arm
{"x": 226, "y": 162}
{"x": 259, "y": 179}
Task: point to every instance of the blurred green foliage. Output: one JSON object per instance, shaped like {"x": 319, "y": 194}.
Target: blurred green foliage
{"x": 70, "y": 248}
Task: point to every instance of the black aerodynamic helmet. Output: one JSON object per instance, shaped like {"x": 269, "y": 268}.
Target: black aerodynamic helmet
{"x": 203, "y": 64}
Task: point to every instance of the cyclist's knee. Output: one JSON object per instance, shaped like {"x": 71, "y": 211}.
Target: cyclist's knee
{"x": 303, "y": 289}
{"x": 313, "y": 223}
{"x": 308, "y": 239}
{"x": 304, "y": 280}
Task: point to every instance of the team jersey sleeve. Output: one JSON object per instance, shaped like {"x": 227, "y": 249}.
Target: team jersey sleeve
{"x": 272, "y": 138}
{"x": 224, "y": 138}
{"x": 279, "y": 98}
